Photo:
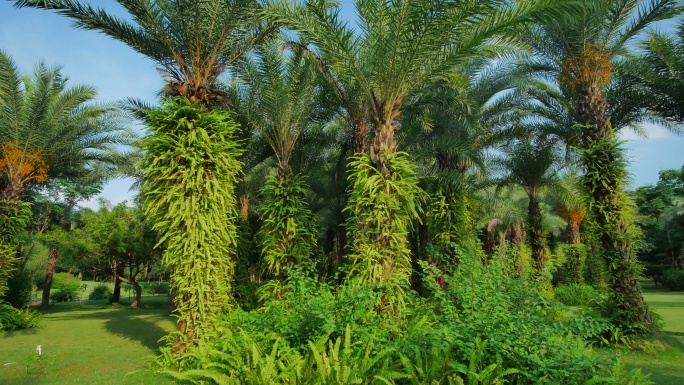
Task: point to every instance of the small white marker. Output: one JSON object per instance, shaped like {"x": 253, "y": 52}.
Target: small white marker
{"x": 39, "y": 350}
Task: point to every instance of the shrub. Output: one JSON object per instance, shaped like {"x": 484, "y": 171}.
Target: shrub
{"x": 576, "y": 295}
{"x": 19, "y": 289}
{"x": 65, "y": 287}
{"x": 480, "y": 324}
{"x": 673, "y": 279}
{"x": 100, "y": 291}
{"x": 521, "y": 326}
{"x": 158, "y": 288}
{"x": 14, "y": 319}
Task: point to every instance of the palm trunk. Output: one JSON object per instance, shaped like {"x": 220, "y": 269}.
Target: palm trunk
{"x": 514, "y": 235}
{"x": 49, "y": 273}
{"x": 571, "y": 236}
{"x": 536, "y": 229}
{"x": 604, "y": 180}
{"x": 360, "y": 137}
{"x": 13, "y": 191}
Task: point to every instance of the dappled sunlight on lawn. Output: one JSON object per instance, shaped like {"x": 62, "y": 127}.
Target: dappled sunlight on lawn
{"x": 88, "y": 343}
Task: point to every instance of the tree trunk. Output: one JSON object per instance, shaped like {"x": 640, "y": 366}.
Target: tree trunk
{"x": 49, "y": 273}
{"x": 384, "y": 141}
{"x": 536, "y": 229}
{"x": 604, "y": 179}
{"x": 515, "y": 234}
{"x": 360, "y": 137}
{"x": 116, "y": 295}
{"x": 13, "y": 191}
{"x": 138, "y": 289}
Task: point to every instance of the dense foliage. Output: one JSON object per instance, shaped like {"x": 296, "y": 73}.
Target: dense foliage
{"x": 479, "y": 324}
{"x": 191, "y": 169}
{"x": 412, "y": 253}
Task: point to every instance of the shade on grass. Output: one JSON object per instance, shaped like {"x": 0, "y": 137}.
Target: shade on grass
{"x": 666, "y": 366}
{"x": 88, "y": 343}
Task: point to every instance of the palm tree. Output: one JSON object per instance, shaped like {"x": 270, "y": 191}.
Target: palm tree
{"x": 193, "y": 41}
{"x": 49, "y": 130}
{"x": 283, "y": 98}
{"x": 533, "y": 162}
{"x": 581, "y": 55}
{"x": 659, "y": 72}
{"x": 397, "y": 49}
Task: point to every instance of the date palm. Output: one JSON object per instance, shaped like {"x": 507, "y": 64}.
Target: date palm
{"x": 193, "y": 41}
{"x": 397, "y": 49}
{"x": 50, "y": 130}
{"x": 581, "y": 54}
{"x": 659, "y": 72}
{"x": 283, "y": 100}
{"x": 533, "y": 162}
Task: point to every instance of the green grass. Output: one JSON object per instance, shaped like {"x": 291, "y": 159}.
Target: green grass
{"x": 666, "y": 364}
{"x": 88, "y": 343}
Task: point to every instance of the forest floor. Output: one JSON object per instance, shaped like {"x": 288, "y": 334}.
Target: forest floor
{"x": 92, "y": 342}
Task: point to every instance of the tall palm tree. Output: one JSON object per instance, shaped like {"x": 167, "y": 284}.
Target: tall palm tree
{"x": 49, "y": 130}
{"x": 581, "y": 55}
{"x": 193, "y": 41}
{"x": 397, "y": 49}
{"x": 284, "y": 100}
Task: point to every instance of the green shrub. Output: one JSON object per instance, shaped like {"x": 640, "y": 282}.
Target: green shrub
{"x": 65, "y": 287}
{"x": 158, "y": 288}
{"x": 12, "y": 318}
{"x": 673, "y": 279}
{"x": 19, "y": 289}
{"x": 100, "y": 291}
{"x": 479, "y": 325}
{"x": 576, "y": 295}
{"x": 521, "y": 326}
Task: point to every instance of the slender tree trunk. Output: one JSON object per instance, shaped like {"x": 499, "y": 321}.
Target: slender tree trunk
{"x": 536, "y": 229}
{"x": 49, "y": 274}
{"x": 138, "y": 289}
{"x": 116, "y": 295}
{"x": 604, "y": 180}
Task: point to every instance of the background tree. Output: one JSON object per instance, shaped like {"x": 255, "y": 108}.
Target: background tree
{"x": 397, "y": 49}
{"x": 284, "y": 99}
{"x": 581, "y": 54}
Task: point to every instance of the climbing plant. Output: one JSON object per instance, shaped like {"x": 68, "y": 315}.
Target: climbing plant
{"x": 190, "y": 170}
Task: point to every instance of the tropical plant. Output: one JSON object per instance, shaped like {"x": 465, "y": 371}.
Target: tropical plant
{"x": 193, "y": 41}
{"x": 191, "y": 169}
{"x": 581, "y": 54}
{"x": 397, "y": 49}
{"x": 49, "y": 130}
{"x": 283, "y": 100}
{"x": 533, "y": 162}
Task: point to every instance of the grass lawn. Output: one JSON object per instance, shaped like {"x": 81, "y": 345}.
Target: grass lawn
{"x": 88, "y": 343}
{"x": 666, "y": 366}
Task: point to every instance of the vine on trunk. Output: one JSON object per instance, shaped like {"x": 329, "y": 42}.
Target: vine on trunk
{"x": 191, "y": 170}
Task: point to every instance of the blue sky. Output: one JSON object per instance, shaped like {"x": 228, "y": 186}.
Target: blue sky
{"x": 87, "y": 57}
